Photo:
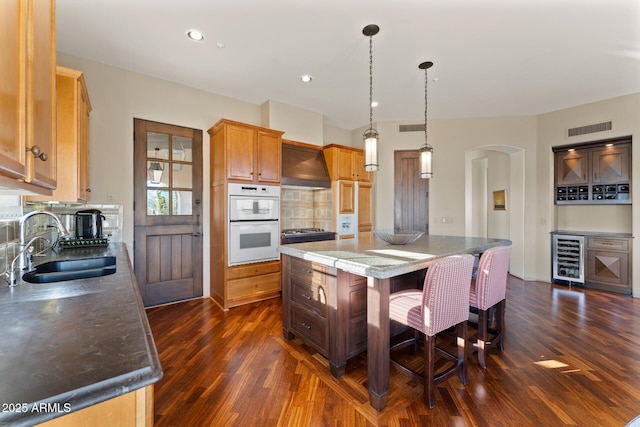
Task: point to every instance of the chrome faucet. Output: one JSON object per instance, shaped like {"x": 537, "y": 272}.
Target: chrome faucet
{"x": 62, "y": 230}
{"x": 25, "y": 252}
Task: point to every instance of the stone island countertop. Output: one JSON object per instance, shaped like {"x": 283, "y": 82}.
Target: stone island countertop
{"x": 71, "y": 344}
{"x": 370, "y": 256}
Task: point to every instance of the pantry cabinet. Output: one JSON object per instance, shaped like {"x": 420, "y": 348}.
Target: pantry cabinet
{"x": 240, "y": 153}
{"x": 73, "y": 108}
{"x": 352, "y": 190}
{"x": 246, "y": 153}
{"x": 27, "y": 105}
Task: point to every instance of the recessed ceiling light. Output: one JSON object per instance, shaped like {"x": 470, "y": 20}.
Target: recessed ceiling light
{"x": 306, "y": 78}
{"x": 195, "y": 35}
{"x": 374, "y": 104}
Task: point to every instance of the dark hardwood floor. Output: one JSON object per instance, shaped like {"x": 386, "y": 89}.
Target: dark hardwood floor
{"x": 572, "y": 358}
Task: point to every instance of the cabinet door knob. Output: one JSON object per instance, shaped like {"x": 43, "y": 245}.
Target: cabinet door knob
{"x": 37, "y": 153}
{"x": 88, "y": 190}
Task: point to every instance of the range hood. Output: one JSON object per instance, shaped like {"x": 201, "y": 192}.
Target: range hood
{"x": 304, "y": 167}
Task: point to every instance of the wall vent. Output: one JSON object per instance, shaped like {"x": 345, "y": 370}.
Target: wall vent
{"x": 582, "y": 130}
{"x": 411, "y": 128}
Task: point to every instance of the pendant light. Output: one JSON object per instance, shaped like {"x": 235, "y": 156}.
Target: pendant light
{"x": 426, "y": 151}
{"x": 371, "y": 135}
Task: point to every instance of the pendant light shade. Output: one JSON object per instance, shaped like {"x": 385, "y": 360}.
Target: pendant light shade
{"x": 156, "y": 172}
{"x": 371, "y": 136}
{"x": 426, "y": 157}
{"x": 155, "y": 169}
{"x": 426, "y": 151}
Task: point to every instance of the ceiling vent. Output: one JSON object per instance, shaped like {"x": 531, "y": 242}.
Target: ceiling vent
{"x": 582, "y": 130}
{"x": 411, "y": 128}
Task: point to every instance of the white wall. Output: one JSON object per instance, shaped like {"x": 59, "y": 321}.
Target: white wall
{"x": 298, "y": 124}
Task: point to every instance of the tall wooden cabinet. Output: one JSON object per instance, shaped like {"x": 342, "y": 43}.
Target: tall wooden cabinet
{"x": 240, "y": 153}
{"x": 352, "y": 188}
{"x": 28, "y": 87}
{"x": 73, "y": 109}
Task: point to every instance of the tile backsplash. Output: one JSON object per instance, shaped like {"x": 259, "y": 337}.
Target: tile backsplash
{"x": 305, "y": 208}
{"x": 11, "y": 210}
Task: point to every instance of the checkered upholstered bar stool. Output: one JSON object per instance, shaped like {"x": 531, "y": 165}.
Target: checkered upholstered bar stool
{"x": 440, "y": 305}
{"x": 489, "y": 289}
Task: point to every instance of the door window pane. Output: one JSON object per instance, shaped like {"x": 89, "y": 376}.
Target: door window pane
{"x": 182, "y": 176}
{"x": 182, "y": 149}
{"x": 182, "y": 203}
{"x": 157, "y": 174}
{"x": 157, "y": 202}
{"x": 157, "y": 146}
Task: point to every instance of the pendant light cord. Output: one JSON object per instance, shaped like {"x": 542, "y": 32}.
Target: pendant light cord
{"x": 425, "y": 106}
{"x": 370, "y": 82}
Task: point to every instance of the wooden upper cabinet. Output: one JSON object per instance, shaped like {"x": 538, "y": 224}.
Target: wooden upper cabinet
{"x": 41, "y": 93}
{"x": 13, "y": 87}
{"x": 269, "y": 158}
{"x": 572, "y": 167}
{"x": 27, "y": 84}
{"x": 345, "y": 163}
{"x": 73, "y": 109}
{"x": 240, "y": 144}
{"x": 242, "y": 152}
{"x": 610, "y": 165}
{"x": 361, "y": 174}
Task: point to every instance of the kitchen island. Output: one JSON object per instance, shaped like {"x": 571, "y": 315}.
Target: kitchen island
{"x": 320, "y": 294}
{"x": 67, "y": 346}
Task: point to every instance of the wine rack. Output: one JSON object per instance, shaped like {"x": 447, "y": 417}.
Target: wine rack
{"x": 568, "y": 258}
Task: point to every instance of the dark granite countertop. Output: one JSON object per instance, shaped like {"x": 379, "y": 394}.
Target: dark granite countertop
{"x": 68, "y": 345}
{"x": 370, "y": 256}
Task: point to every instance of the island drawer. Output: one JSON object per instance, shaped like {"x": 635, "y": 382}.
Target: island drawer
{"x": 311, "y": 293}
{"x": 311, "y": 329}
{"x": 306, "y": 269}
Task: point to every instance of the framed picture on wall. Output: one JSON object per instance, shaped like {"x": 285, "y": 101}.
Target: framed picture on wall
{"x": 500, "y": 200}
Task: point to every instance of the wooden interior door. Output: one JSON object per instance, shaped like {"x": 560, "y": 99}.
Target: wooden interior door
{"x": 167, "y": 212}
{"x": 411, "y": 193}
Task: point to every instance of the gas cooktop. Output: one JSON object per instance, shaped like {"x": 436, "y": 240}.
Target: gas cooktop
{"x": 288, "y": 231}
{"x": 301, "y": 235}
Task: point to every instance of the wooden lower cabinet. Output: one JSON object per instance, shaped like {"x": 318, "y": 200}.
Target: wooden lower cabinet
{"x": 134, "y": 409}
{"x": 252, "y": 282}
{"x": 607, "y": 265}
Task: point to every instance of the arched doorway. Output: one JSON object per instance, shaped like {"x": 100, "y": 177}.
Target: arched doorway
{"x": 479, "y": 208}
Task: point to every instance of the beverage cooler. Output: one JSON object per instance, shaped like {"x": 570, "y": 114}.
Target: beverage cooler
{"x": 567, "y": 253}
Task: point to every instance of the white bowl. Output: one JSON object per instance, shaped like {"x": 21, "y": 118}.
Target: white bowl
{"x": 398, "y": 237}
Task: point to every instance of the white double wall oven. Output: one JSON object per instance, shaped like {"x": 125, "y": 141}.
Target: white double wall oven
{"x": 254, "y": 223}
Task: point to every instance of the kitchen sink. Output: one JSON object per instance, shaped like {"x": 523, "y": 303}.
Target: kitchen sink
{"x": 71, "y": 269}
